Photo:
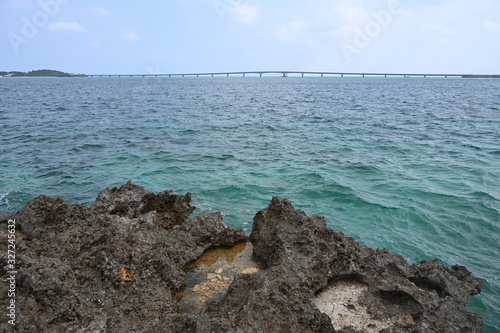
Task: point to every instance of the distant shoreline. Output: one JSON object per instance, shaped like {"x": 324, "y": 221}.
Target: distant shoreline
{"x": 53, "y": 73}
{"x": 481, "y": 76}
{"x": 39, "y": 73}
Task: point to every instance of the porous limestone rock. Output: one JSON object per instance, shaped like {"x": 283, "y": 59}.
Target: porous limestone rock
{"x": 120, "y": 266}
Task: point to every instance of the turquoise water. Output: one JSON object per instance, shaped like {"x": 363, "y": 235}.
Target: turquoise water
{"x": 408, "y": 164}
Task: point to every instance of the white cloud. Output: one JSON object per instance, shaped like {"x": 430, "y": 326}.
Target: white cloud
{"x": 341, "y": 20}
{"x": 244, "y": 14}
{"x": 291, "y": 31}
{"x": 130, "y": 36}
{"x": 439, "y": 28}
{"x": 351, "y": 14}
{"x": 493, "y": 26}
{"x": 66, "y": 26}
{"x": 98, "y": 11}
{"x": 344, "y": 32}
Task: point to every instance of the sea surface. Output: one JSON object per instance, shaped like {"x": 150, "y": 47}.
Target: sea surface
{"x": 412, "y": 165}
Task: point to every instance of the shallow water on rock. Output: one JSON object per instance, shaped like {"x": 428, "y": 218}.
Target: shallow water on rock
{"x": 209, "y": 277}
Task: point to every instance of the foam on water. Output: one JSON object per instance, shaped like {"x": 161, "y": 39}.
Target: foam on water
{"x": 411, "y": 165}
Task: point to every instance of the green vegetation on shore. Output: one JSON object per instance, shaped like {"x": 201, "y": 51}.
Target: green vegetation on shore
{"x": 40, "y": 73}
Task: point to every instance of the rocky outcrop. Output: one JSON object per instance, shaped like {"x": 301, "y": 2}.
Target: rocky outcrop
{"x": 125, "y": 263}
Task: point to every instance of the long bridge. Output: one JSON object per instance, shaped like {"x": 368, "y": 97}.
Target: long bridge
{"x": 296, "y": 73}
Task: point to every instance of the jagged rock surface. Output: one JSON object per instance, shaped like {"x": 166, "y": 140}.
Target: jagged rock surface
{"x": 119, "y": 265}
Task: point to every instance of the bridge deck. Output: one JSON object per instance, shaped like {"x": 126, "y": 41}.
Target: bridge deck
{"x": 296, "y": 73}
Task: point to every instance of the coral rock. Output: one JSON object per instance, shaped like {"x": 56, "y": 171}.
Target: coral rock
{"x": 120, "y": 266}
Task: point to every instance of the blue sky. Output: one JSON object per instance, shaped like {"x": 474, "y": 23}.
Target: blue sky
{"x": 169, "y": 36}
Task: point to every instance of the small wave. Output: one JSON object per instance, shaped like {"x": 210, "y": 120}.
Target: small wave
{"x": 363, "y": 168}
{"x": 62, "y": 184}
{"x": 229, "y": 189}
{"x": 23, "y": 138}
{"x": 483, "y": 195}
{"x": 474, "y": 147}
{"x": 309, "y": 177}
{"x": 4, "y": 195}
{"x": 50, "y": 173}
{"x": 152, "y": 173}
{"x": 88, "y": 146}
{"x": 375, "y": 201}
{"x": 189, "y": 132}
{"x": 222, "y": 157}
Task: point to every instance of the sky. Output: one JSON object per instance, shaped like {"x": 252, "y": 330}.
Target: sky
{"x": 186, "y": 36}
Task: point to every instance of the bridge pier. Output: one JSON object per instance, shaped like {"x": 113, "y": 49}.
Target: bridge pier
{"x": 243, "y": 74}
{"x": 341, "y": 75}
{"x": 228, "y": 75}
{"x": 260, "y": 74}
{"x": 321, "y": 74}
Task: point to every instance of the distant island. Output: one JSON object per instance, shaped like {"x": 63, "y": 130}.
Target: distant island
{"x": 40, "y": 73}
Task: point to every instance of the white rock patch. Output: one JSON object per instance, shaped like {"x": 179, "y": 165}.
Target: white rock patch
{"x": 340, "y": 302}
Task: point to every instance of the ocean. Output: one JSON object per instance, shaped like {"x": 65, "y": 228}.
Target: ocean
{"x": 412, "y": 165}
